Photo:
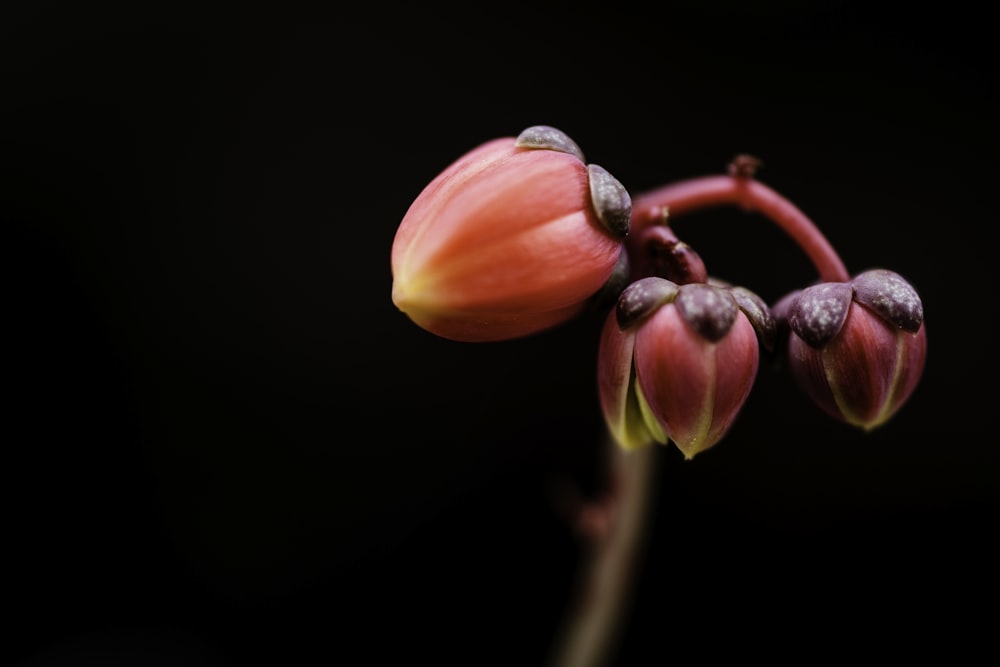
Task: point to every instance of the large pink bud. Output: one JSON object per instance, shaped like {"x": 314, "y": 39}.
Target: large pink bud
{"x": 515, "y": 237}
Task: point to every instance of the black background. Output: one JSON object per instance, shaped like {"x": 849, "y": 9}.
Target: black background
{"x": 224, "y": 446}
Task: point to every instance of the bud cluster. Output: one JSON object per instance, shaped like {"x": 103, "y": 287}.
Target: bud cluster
{"x": 522, "y": 234}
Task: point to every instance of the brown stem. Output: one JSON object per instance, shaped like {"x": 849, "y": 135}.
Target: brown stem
{"x": 593, "y": 626}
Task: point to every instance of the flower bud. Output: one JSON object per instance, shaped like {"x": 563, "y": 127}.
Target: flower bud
{"x": 856, "y": 348}
{"x": 513, "y": 238}
{"x": 677, "y": 362}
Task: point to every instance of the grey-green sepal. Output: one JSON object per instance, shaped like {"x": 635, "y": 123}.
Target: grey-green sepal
{"x": 642, "y": 298}
{"x": 756, "y": 310}
{"x": 819, "y": 311}
{"x": 611, "y": 201}
{"x": 550, "y": 138}
{"x": 889, "y": 295}
{"x": 708, "y": 310}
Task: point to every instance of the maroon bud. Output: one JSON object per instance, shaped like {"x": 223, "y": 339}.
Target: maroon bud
{"x": 858, "y": 348}
{"x": 676, "y": 362}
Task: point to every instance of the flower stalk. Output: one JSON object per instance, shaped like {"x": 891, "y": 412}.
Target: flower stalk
{"x": 521, "y": 234}
{"x": 656, "y": 250}
{"x": 738, "y": 188}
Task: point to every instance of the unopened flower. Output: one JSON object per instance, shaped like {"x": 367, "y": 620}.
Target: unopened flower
{"x": 516, "y": 236}
{"x": 856, "y": 348}
{"x": 677, "y": 362}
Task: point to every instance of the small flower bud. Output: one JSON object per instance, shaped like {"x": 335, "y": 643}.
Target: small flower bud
{"x": 662, "y": 254}
{"x": 856, "y": 348}
{"x": 515, "y": 237}
{"x": 676, "y": 362}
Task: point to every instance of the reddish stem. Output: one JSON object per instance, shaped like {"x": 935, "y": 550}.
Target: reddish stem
{"x": 738, "y": 190}
{"x": 591, "y": 631}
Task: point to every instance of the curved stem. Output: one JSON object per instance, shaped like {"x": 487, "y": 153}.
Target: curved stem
{"x": 591, "y": 630}
{"x": 709, "y": 191}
